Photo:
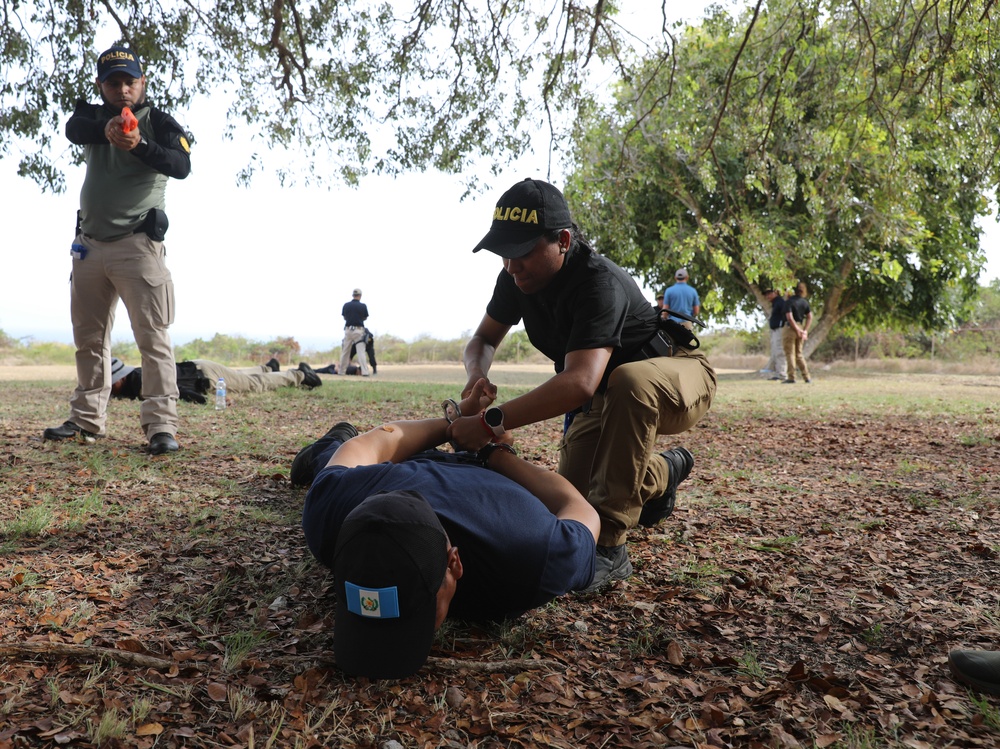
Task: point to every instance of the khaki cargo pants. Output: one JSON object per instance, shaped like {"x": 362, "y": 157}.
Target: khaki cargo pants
{"x": 608, "y": 453}
{"x": 256, "y": 379}
{"x": 133, "y": 269}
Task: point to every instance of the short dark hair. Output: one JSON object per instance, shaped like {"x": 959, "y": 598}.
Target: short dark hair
{"x": 575, "y": 236}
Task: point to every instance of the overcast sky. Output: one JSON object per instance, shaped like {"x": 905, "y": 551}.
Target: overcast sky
{"x": 273, "y": 261}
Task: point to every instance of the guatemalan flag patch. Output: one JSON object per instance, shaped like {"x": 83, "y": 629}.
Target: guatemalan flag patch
{"x": 376, "y": 603}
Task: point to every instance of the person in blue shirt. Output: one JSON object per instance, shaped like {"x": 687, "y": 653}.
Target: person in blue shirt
{"x": 388, "y": 514}
{"x": 682, "y": 298}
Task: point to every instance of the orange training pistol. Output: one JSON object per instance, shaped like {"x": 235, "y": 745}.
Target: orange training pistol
{"x": 129, "y": 122}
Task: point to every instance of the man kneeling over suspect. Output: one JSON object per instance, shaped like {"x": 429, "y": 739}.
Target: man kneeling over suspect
{"x": 414, "y": 535}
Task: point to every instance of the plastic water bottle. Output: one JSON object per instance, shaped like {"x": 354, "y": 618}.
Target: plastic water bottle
{"x": 220, "y": 395}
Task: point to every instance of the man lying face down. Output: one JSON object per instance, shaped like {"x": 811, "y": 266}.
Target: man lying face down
{"x": 414, "y": 535}
{"x": 198, "y": 377}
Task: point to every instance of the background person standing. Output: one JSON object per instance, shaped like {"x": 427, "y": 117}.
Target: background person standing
{"x": 776, "y": 364}
{"x": 119, "y": 251}
{"x": 682, "y": 298}
{"x": 798, "y": 318}
{"x": 355, "y": 313}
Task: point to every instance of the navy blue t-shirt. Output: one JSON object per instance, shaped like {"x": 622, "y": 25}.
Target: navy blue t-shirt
{"x": 777, "y": 319}
{"x": 516, "y": 555}
{"x": 355, "y": 313}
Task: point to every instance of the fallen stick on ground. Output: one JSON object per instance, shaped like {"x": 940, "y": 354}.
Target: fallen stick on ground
{"x": 124, "y": 657}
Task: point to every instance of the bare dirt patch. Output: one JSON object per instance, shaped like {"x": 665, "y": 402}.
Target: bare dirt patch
{"x": 38, "y": 373}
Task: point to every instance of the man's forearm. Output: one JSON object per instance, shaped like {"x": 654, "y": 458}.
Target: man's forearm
{"x": 556, "y": 396}
{"x": 391, "y": 443}
{"x": 403, "y": 439}
{"x": 478, "y": 357}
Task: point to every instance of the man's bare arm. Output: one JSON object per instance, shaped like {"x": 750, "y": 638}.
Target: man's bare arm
{"x": 479, "y": 351}
{"x": 398, "y": 440}
{"x": 568, "y": 390}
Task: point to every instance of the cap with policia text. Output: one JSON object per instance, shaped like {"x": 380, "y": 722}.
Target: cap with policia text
{"x": 118, "y": 60}
{"x": 389, "y": 563}
{"x": 523, "y": 214}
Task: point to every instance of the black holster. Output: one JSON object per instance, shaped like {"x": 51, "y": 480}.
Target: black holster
{"x": 155, "y": 225}
{"x": 670, "y": 335}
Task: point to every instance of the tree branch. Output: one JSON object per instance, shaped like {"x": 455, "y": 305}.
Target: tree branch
{"x": 90, "y": 652}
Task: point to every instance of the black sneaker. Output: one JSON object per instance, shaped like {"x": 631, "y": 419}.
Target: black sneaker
{"x": 69, "y": 430}
{"x": 273, "y": 364}
{"x": 303, "y": 472}
{"x": 681, "y": 461}
{"x": 612, "y": 564}
{"x": 311, "y": 379}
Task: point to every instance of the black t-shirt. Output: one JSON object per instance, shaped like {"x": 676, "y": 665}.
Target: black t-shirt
{"x": 777, "y": 313}
{"x": 799, "y": 307}
{"x": 591, "y": 303}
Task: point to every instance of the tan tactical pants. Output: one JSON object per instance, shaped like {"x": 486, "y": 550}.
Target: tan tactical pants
{"x": 249, "y": 379}
{"x": 133, "y": 269}
{"x": 793, "y": 353}
{"x": 608, "y": 453}
{"x": 352, "y": 335}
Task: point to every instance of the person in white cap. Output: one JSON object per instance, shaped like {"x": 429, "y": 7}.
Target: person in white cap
{"x": 355, "y": 313}
{"x": 681, "y": 297}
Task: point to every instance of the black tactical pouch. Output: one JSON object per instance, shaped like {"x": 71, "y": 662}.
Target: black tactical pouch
{"x": 659, "y": 345}
{"x": 680, "y": 335}
{"x": 155, "y": 225}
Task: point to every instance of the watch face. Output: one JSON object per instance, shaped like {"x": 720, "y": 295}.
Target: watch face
{"x": 493, "y": 416}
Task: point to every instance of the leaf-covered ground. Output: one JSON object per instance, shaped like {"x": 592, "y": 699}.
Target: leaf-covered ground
{"x": 831, "y": 546}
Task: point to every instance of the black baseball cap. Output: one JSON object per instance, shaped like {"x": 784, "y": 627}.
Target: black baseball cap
{"x": 389, "y": 563}
{"x": 118, "y": 60}
{"x": 523, "y": 214}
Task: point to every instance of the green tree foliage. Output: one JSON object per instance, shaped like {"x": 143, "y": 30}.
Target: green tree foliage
{"x": 849, "y": 146}
{"x": 349, "y": 85}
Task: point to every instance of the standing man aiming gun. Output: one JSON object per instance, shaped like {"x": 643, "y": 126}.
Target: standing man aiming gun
{"x": 119, "y": 252}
